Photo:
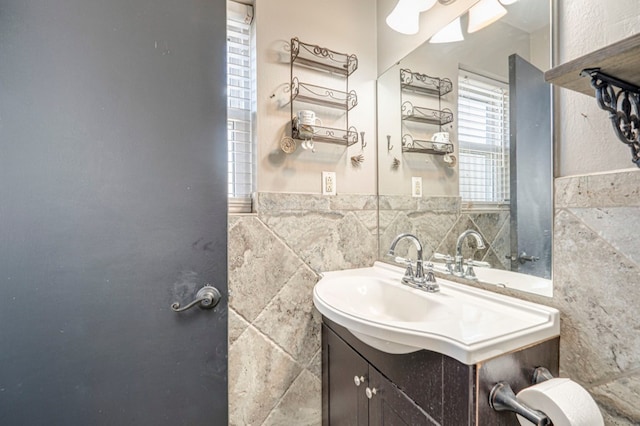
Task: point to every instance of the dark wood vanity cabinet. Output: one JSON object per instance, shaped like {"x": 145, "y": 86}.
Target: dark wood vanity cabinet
{"x": 420, "y": 388}
{"x": 349, "y": 403}
{"x": 357, "y": 394}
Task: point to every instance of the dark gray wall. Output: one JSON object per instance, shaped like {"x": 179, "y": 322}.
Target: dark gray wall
{"x": 112, "y": 206}
{"x": 531, "y": 167}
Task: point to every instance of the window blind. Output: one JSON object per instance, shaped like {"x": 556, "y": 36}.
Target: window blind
{"x": 483, "y": 139}
{"x": 240, "y": 81}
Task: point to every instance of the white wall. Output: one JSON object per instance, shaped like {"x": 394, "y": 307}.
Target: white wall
{"x": 343, "y": 26}
{"x": 587, "y": 142}
{"x": 540, "y": 47}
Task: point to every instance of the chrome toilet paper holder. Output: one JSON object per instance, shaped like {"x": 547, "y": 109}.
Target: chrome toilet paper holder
{"x": 502, "y": 398}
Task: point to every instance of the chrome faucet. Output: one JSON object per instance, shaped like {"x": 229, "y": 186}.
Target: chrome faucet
{"x": 419, "y": 279}
{"x": 458, "y": 269}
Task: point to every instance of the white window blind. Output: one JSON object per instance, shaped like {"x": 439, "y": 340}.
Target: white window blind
{"x": 240, "y": 81}
{"x": 483, "y": 138}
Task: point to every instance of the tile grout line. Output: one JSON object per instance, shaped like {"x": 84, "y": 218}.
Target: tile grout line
{"x": 597, "y": 234}
{"x": 293, "y": 252}
{"x": 281, "y": 398}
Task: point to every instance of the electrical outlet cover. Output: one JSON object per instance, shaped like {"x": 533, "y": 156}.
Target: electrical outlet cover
{"x": 328, "y": 183}
{"x": 416, "y": 186}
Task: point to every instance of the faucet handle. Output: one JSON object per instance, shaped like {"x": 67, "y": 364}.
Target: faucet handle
{"x": 402, "y": 260}
{"x": 445, "y": 257}
{"x": 470, "y": 273}
{"x": 408, "y": 263}
{"x": 448, "y": 260}
{"x": 478, "y": 263}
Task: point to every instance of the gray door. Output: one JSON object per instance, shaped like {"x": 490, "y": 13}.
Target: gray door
{"x": 531, "y": 176}
{"x": 112, "y": 207}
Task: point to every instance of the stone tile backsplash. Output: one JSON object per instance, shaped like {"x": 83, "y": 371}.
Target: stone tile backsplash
{"x": 276, "y": 255}
{"x": 597, "y": 288}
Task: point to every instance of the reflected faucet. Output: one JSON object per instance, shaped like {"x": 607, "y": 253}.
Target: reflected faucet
{"x": 458, "y": 269}
{"x": 419, "y": 280}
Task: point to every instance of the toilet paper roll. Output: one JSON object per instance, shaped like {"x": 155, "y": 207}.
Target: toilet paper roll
{"x": 564, "y": 401}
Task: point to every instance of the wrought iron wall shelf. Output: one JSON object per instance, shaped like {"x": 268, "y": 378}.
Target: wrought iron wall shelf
{"x": 324, "y": 134}
{"x": 418, "y": 87}
{"x": 423, "y": 84}
{"x": 322, "y": 58}
{"x": 323, "y": 96}
{"x": 611, "y": 75}
{"x": 425, "y": 147}
{"x": 426, "y": 115}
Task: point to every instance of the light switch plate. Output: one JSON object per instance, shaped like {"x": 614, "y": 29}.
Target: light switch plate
{"x": 416, "y": 186}
{"x": 328, "y": 183}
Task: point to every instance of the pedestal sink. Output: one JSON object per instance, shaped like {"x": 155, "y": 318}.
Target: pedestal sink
{"x": 465, "y": 323}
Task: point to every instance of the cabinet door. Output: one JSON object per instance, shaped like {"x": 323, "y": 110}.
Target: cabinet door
{"x": 389, "y": 406}
{"x": 344, "y": 402}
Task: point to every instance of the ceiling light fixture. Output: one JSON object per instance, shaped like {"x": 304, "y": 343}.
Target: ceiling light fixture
{"x": 452, "y": 32}
{"x": 424, "y": 5}
{"x": 485, "y": 13}
{"x": 508, "y": 2}
{"x": 404, "y": 18}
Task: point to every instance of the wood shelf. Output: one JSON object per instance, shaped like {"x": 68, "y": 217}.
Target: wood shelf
{"x": 620, "y": 59}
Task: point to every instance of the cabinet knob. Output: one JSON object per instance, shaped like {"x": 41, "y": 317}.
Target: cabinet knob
{"x": 358, "y": 380}
{"x": 370, "y": 392}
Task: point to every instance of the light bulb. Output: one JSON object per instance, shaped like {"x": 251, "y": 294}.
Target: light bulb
{"x": 485, "y": 13}
{"x": 405, "y": 16}
{"x": 452, "y": 32}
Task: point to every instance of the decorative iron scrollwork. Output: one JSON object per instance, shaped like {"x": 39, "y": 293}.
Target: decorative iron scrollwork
{"x": 422, "y": 83}
{"x": 426, "y": 115}
{"x": 324, "y": 58}
{"x": 325, "y": 96}
{"x": 622, "y": 101}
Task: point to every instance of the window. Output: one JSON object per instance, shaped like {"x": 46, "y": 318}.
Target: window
{"x": 483, "y": 138}
{"x": 240, "y": 105}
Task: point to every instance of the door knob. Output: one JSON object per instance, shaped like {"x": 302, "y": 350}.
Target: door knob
{"x": 358, "y": 380}
{"x": 370, "y": 392}
{"x": 208, "y": 297}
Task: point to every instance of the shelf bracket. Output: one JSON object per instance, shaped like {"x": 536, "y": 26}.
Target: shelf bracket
{"x": 622, "y": 101}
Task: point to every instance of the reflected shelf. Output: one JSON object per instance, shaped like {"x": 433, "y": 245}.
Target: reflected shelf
{"x": 426, "y": 115}
{"x": 423, "y": 84}
{"x": 425, "y": 147}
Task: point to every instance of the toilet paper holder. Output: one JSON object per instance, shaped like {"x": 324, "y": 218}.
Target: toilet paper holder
{"x": 502, "y": 398}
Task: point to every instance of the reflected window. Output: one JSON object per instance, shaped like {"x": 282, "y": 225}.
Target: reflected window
{"x": 483, "y": 139}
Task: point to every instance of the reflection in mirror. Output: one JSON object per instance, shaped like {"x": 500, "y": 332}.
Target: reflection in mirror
{"x": 489, "y": 168}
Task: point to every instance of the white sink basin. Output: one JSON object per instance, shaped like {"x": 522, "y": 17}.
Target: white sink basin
{"x": 465, "y": 323}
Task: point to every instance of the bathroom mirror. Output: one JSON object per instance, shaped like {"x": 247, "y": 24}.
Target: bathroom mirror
{"x": 465, "y": 142}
